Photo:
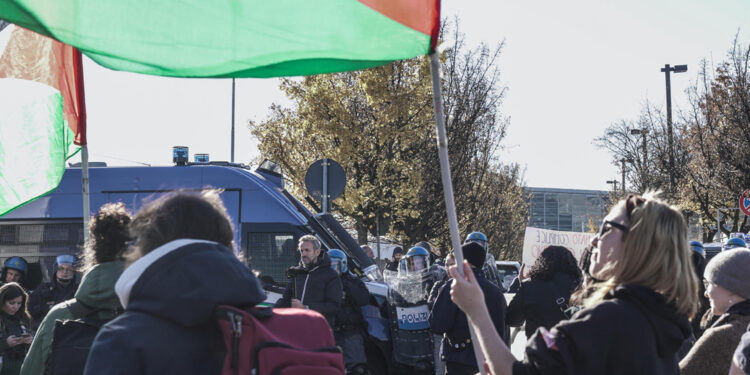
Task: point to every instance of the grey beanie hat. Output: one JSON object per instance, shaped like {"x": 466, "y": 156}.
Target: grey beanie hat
{"x": 731, "y": 270}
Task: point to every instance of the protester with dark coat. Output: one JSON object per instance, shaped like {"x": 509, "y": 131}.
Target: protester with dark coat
{"x": 102, "y": 264}
{"x": 543, "y": 297}
{"x": 699, "y": 263}
{"x": 313, "y": 284}
{"x": 183, "y": 267}
{"x": 447, "y": 319}
{"x": 636, "y": 319}
{"x": 15, "y": 326}
{"x": 61, "y": 288}
{"x": 728, "y": 289}
{"x": 392, "y": 265}
{"x": 741, "y": 358}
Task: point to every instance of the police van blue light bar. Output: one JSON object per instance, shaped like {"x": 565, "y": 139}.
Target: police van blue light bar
{"x": 201, "y": 158}
{"x": 180, "y": 155}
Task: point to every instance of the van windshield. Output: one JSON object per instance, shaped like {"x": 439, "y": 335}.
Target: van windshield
{"x": 271, "y": 254}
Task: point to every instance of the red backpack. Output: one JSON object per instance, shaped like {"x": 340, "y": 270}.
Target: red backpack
{"x": 267, "y": 341}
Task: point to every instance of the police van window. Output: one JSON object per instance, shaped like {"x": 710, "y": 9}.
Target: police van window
{"x": 271, "y": 254}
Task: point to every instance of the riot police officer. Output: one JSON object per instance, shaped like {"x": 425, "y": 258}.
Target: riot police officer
{"x": 15, "y": 269}
{"x": 489, "y": 268}
{"x": 350, "y": 323}
{"x": 61, "y": 288}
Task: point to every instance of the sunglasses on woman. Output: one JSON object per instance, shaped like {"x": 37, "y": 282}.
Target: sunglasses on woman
{"x": 607, "y": 225}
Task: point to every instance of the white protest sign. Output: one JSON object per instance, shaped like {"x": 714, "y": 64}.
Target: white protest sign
{"x": 536, "y": 240}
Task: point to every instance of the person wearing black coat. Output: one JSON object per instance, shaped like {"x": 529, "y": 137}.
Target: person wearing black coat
{"x": 447, "y": 319}
{"x": 350, "y": 324}
{"x": 543, "y": 297}
{"x": 313, "y": 284}
{"x": 636, "y": 319}
{"x": 171, "y": 289}
{"x": 392, "y": 265}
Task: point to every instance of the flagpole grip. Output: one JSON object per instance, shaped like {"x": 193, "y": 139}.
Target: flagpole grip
{"x": 445, "y": 174}
{"x": 85, "y": 191}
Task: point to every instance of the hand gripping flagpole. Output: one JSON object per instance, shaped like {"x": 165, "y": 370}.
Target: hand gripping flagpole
{"x": 445, "y": 173}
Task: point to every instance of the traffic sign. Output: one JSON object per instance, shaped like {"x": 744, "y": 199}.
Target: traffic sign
{"x": 745, "y": 202}
{"x": 325, "y": 181}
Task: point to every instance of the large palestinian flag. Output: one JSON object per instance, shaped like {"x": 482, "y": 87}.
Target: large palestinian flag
{"x": 237, "y": 38}
{"x": 42, "y": 121}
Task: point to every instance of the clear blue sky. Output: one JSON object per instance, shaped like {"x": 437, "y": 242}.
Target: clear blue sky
{"x": 572, "y": 68}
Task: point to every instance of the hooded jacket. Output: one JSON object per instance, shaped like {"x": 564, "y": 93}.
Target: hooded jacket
{"x": 318, "y": 287}
{"x": 447, "y": 319}
{"x": 633, "y": 331}
{"x": 169, "y": 296}
{"x": 540, "y": 303}
{"x": 712, "y": 353}
{"x": 97, "y": 291}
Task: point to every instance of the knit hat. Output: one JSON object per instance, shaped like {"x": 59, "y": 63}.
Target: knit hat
{"x": 474, "y": 253}
{"x": 729, "y": 270}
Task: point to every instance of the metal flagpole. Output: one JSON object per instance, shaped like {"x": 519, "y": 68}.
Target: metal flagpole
{"x": 232, "y": 158}
{"x": 85, "y": 191}
{"x": 445, "y": 173}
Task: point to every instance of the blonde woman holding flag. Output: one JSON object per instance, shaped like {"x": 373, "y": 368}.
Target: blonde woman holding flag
{"x": 637, "y": 318}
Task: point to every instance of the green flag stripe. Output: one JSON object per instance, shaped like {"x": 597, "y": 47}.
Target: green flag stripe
{"x": 35, "y": 142}
{"x": 198, "y": 38}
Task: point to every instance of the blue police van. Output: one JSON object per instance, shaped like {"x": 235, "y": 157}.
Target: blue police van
{"x": 268, "y": 222}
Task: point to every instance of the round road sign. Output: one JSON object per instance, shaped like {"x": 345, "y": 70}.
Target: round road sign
{"x": 335, "y": 175}
{"x": 745, "y": 202}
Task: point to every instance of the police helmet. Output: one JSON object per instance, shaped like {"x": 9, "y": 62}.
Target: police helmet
{"x": 65, "y": 259}
{"x": 734, "y": 243}
{"x": 417, "y": 259}
{"x": 477, "y": 237}
{"x": 697, "y": 246}
{"x": 17, "y": 263}
{"x": 338, "y": 260}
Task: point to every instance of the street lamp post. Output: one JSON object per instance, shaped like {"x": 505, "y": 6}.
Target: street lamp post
{"x": 614, "y": 183}
{"x": 667, "y": 69}
{"x": 623, "y": 161}
{"x": 643, "y": 132}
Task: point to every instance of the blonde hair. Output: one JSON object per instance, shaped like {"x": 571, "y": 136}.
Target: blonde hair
{"x": 655, "y": 254}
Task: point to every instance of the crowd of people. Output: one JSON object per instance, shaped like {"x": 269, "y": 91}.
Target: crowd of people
{"x": 639, "y": 285}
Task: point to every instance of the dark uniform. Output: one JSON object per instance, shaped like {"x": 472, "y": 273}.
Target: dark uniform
{"x": 350, "y": 324}
{"x": 48, "y": 295}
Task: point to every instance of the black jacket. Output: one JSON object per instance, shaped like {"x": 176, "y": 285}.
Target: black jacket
{"x": 392, "y": 266}
{"x": 169, "y": 296}
{"x": 633, "y": 331}
{"x": 318, "y": 287}
{"x": 447, "y": 319}
{"x": 356, "y": 295}
{"x": 49, "y": 292}
{"x": 435, "y": 291}
{"x": 540, "y": 303}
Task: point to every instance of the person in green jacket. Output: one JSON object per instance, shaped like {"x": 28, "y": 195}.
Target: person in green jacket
{"x": 102, "y": 263}
{"x": 15, "y": 322}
